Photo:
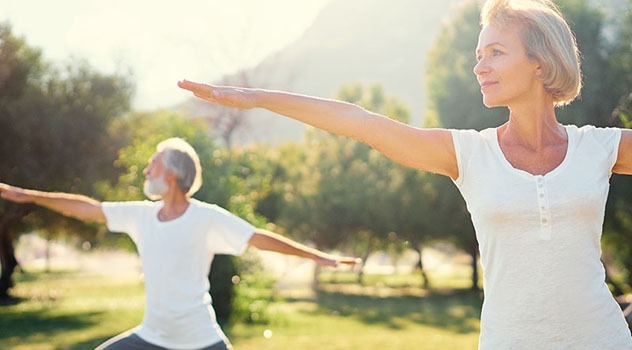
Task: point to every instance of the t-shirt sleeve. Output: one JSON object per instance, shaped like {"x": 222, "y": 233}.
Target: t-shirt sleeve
{"x": 608, "y": 139}
{"x": 463, "y": 143}
{"x": 228, "y": 233}
{"x": 123, "y": 216}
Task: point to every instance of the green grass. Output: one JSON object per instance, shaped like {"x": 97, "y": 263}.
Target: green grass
{"x": 337, "y": 320}
{"x": 71, "y": 310}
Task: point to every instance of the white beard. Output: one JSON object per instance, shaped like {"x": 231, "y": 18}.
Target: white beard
{"x": 155, "y": 188}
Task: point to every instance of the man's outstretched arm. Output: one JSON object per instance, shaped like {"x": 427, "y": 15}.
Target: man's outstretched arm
{"x": 266, "y": 240}
{"x": 72, "y": 205}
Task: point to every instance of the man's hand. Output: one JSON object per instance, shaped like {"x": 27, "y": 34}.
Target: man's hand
{"x": 336, "y": 261}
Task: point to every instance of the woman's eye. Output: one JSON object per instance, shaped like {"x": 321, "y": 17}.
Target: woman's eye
{"x": 496, "y": 52}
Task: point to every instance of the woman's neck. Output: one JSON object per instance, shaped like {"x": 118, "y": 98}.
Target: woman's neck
{"x": 534, "y": 126}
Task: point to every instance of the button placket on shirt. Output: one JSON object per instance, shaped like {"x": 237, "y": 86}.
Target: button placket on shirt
{"x": 545, "y": 213}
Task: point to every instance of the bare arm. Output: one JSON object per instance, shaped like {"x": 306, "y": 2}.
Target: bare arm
{"x": 71, "y": 205}
{"x": 624, "y": 160}
{"x": 426, "y": 149}
{"x": 266, "y": 240}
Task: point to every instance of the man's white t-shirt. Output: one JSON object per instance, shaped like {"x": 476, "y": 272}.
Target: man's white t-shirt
{"x": 176, "y": 256}
{"x": 539, "y": 238}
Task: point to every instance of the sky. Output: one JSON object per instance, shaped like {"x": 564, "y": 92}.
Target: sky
{"x": 161, "y": 42}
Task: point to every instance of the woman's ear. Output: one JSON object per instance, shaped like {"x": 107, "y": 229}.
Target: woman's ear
{"x": 538, "y": 69}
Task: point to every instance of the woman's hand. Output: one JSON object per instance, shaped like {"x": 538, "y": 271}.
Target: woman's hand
{"x": 14, "y": 194}
{"x": 227, "y": 96}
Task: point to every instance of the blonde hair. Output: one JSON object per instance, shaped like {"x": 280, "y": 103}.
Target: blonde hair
{"x": 180, "y": 158}
{"x": 547, "y": 39}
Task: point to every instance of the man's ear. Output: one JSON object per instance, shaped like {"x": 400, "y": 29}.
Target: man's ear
{"x": 170, "y": 177}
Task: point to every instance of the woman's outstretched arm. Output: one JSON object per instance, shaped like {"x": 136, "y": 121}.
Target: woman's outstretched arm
{"x": 426, "y": 149}
{"x": 624, "y": 159}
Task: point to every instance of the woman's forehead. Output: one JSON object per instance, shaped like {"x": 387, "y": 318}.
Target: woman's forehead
{"x": 507, "y": 36}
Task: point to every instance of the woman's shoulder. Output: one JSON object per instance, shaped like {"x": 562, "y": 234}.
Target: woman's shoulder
{"x": 589, "y": 135}
{"x": 474, "y": 136}
{"x": 602, "y": 133}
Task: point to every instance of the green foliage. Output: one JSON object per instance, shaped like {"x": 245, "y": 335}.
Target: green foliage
{"x": 602, "y": 80}
{"x": 340, "y": 194}
{"x": 55, "y": 136}
{"x": 55, "y": 122}
{"x": 618, "y": 223}
{"x": 373, "y": 98}
{"x": 336, "y": 188}
{"x": 254, "y": 292}
{"x": 453, "y": 92}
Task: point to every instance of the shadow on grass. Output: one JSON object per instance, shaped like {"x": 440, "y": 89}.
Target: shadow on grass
{"x": 457, "y": 311}
{"x": 25, "y": 324}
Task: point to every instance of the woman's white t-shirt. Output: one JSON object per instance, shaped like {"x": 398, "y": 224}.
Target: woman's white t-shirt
{"x": 176, "y": 256}
{"x": 539, "y": 239}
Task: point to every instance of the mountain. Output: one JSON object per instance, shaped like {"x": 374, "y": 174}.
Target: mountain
{"x": 369, "y": 41}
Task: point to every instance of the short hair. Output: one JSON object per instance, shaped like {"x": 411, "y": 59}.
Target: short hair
{"x": 547, "y": 39}
{"x": 179, "y": 157}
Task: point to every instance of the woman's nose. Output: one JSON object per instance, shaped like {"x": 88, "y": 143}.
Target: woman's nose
{"x": 481, "y": 67}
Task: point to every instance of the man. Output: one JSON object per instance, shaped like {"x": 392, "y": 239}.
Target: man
{"x": 176, "y": 238}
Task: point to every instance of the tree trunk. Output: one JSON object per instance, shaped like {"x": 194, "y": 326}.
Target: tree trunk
{"x": 420, "y": 264}
{"x": 474, "y": 255}
{"x": 7, "y": 259}
{"x": 364, "y": 257}
{"x": 316, "y": 277}
{"x": 7, "y": 248}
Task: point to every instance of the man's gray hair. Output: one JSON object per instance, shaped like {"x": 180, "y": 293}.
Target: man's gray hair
{"x": 179, "y": 157}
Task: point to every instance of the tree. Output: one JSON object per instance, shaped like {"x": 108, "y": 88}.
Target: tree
{"x": 618, "y": 226}
{"x": 341, "y": 194}
{"x": 455, "y": 102}
{"x": 55, "y": 136}
{"x": 618, "y": 218}
{"x": 602, "y": 90}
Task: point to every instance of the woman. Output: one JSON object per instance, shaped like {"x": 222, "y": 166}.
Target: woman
{"x": 536, "y": 189}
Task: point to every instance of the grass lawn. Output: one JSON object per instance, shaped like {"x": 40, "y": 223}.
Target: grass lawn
{"x": 74, "y": 310}
{"x": 69, "y": 310}
{"x": 338, "y": 320}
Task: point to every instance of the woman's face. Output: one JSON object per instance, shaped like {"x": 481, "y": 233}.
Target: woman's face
{"x": 504, "y": 71}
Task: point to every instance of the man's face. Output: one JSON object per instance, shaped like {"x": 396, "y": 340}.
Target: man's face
{"x": 155, "y": 185}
